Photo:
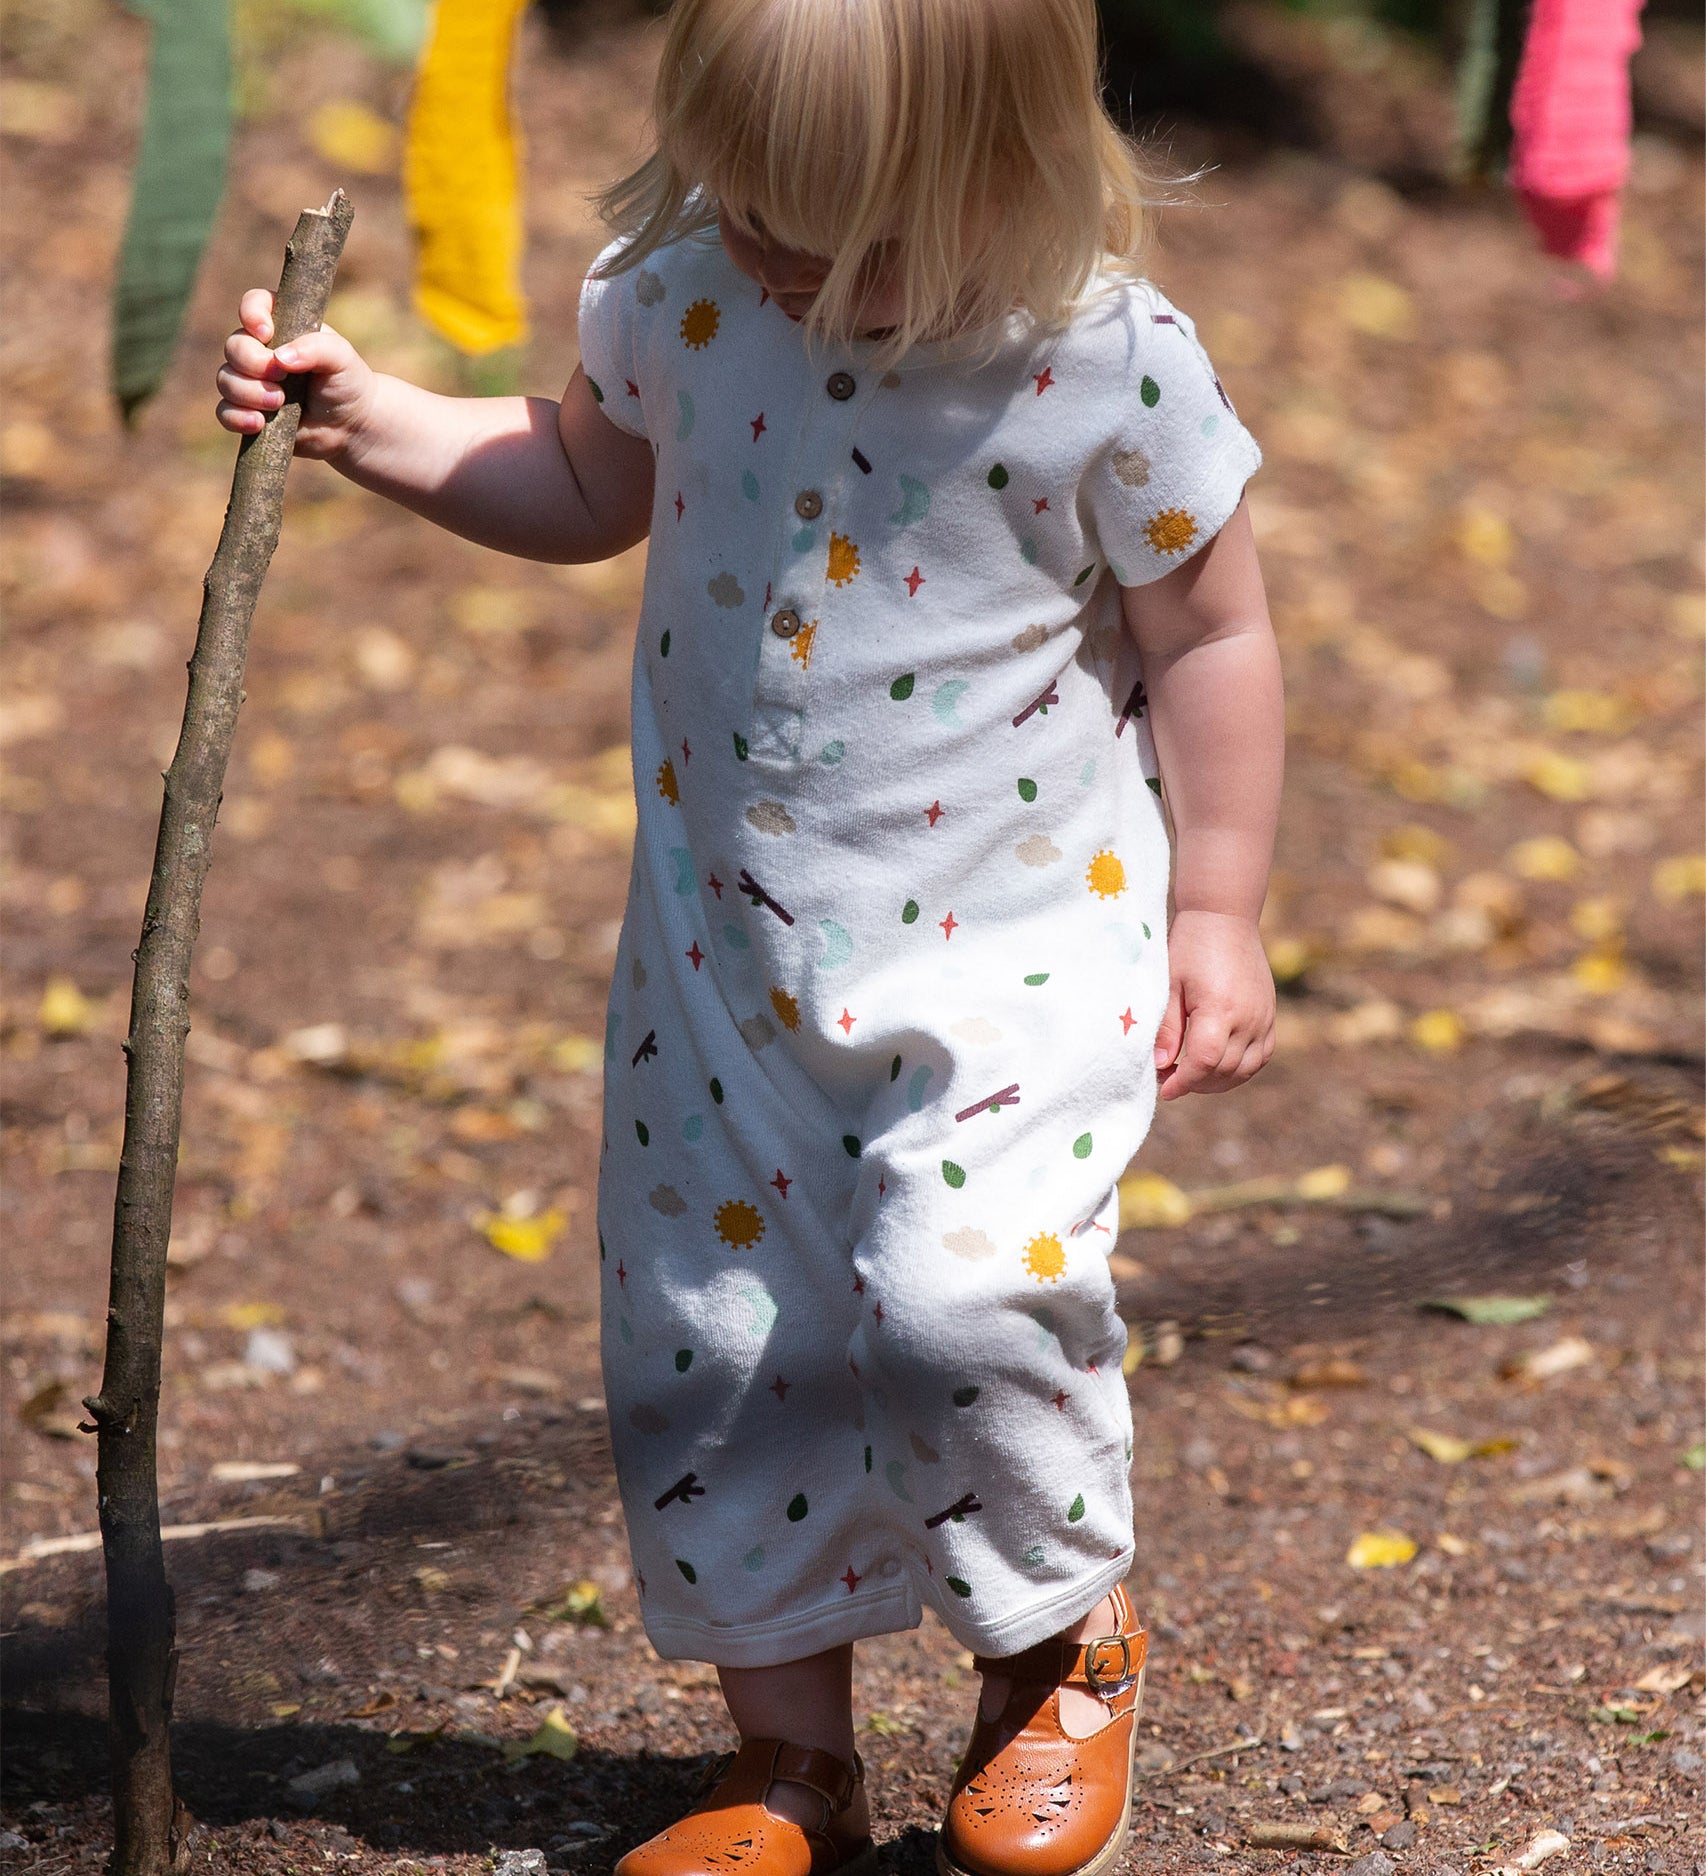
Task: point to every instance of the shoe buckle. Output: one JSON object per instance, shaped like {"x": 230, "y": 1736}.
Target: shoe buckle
{"x": 1105, "y": 1680}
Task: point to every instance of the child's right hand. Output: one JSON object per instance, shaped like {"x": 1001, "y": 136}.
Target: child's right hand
{"x": 341, "y": 382}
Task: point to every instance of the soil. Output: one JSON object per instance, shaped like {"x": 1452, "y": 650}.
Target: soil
{"x": 1480, "y": 516}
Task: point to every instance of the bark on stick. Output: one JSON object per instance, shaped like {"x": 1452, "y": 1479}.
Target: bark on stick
{"x": 148, "y": 1823}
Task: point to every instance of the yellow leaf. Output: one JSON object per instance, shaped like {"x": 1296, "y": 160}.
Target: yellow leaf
{"x": 1453, "y": 1546}
{"x": 64, "y": 1011}
{"x": 1380, "y": 1550}
{"x": 1412, "y": 841}
{"x": 252, "y": 1315}
{"x": 1289, "y": 958}
{"x": 1546, "y": 856}
{"x": 1682, "y": 876}
{"x": 1437, "y": 1031}
{"x": 1148, "y": 1201}
{"x": 350, "y": 136}
{"x": 1590, "y": 710}
{"x": 1377, "y": 307}
{"x": 1412, "y": 884}
{"x": 1445, "y": 1447}
{"x": 1599, "y": 920}
{"x": 577, "y": 1055}
{"x": 1559, "y": 777}
{"x": 554, "y": 1737}
{"x": 1132, "y": 1359}
{"x": 1325, "y": 1182}
{"x": 1485, "y": 538}
{"x": 1600, "y": 972}
{"x": 529, "y": 1240}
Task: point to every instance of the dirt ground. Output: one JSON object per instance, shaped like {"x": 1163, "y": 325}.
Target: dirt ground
{"x": 1480, "y": 517}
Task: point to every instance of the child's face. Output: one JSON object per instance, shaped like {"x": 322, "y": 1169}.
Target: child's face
{"x": 793, "y": 279}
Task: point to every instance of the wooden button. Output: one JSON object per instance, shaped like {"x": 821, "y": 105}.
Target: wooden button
{"x": 841, "y": 386}
{"x": 784, "y": 623}
{"x": 808, "y": 504}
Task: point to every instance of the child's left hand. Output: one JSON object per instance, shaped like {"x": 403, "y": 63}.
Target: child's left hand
{"x": 1220, "y": 1005}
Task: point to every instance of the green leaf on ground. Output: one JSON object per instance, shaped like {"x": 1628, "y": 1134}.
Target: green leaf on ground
{"x": 1490, "y": 1311}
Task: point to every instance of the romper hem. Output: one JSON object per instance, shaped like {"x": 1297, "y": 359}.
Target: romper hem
{"x": 1012, "y": 1634}
{"x": 786, "y": 1638}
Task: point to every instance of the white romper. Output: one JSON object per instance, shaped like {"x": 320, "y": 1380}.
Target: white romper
{"x": 881, "y": 1035}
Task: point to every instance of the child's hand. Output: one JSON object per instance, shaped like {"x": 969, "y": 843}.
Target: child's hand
{"x": 1220, "y": 1003}
{"x": 340, "y": 390}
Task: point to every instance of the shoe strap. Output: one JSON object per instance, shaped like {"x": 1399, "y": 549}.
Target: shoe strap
{"x": 763, "y": 1761}
{"x": 1105, "y": 1665}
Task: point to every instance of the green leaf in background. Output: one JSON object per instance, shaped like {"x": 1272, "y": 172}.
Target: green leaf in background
{"x": 180, "y": 176}
{"x": 394, "y": 28}
{"x": 1695, "y": 1457}
{"x": 1490, "y": 1311}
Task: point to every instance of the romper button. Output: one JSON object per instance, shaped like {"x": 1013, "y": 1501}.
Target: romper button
{"x": 808, "y": 504}
{"x": 784, "y": 623}
{"x": 841, "y": 386}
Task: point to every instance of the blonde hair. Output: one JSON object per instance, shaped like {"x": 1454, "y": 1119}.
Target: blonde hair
{"x": 967, "y": 139}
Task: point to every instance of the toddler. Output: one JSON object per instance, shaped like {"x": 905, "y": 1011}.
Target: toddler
{"x": 951, "y": 603}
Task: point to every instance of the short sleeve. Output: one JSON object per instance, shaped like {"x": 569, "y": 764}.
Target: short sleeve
{"x": 1173, "y": 458}
{"x": 609, "y": 353}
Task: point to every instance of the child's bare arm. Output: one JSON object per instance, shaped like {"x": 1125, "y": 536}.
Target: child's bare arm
{"x": 1211, "y": 670}
{"x": 524, "y": 475}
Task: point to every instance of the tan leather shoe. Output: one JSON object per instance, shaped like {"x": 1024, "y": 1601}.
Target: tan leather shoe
{"x": 730, "y": 1832}
{"x": 1029, "y": 1799}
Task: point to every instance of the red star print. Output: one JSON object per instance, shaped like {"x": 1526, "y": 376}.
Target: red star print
{"x": 851, "y": 1578}
{"x": 1128, "y": 1022}
{"x": 759, "y": 426}
{"x": 695, "y": 956}
{"x": 781, "y": 1182}
{"x": 1044, "y": 379}
{"x": 845, "y": 1022}
{"x": 882, "y": 1187}
{"x": 622, "y": 1275}
{"x": 914, "y": 580}
{"x": 716, "y": 885}
{"x": 680, "y": 505}
{"x": 934, "y": 812}
{"x": 949, "y": 925}
{"x": 779, "y": 1388}
{"x": 877, "y": 1313}
{"x": 686, "y": 753}
{"x": 1038, "y": 504}
{"x": 633, "y": 388}
{"x": 1061, "y": 1399}
{"x": 858, "y": 1286}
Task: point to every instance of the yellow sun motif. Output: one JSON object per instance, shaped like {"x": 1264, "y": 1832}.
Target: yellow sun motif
{"x": 1171, "y": 531}
{"x": 1106, "y": 875}
{"x": 786, "y": 1007}
{"x": 1044, "y": 1258}
{"x": 667, "y": 784}
{"x": 699, "y": 324}
{"x": 843, "y": 560}
{"x": 800, "y": 645}
{"x": 739, "y": 1225}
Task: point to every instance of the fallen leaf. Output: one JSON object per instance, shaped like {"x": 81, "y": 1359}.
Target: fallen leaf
{"x": 1449, "y": 1450}
{"x": 1543, "y": 1364}
{"x": 245, "y": 1316}
{"x": 1380, "y": 1550}
{"x": 1548, "y": 1843}
{"x": 1575, "y": 1486}
{"x": 529, "y": 1240}
{"x": 554, "y": 1736}
{"x": 1286, "y": 1836}
{"x": 1124, "y": 1269}
{"x": 1545, "y": 857}
{"x": 1369, "y": 1803}
{"x": 1334, "y": 1372}
{"x": 1682, "y": 876}
{"x": 1446, "y": 1796}
{"x": 578, "y": 1055}
{"x": 64, "y": 1010}
{"x": 48, "y": 1411}
{"x": 1376, "y": 307}
{"x": 1559, "y": 777}
{"x": 581, "y": 1602}
{"x": 250, "y": 1471}
{"x": 1169, "y": 1344}
{"x": 1148, "y": 1202}
{"x": 1439, "y": 1032}
{"x": 1665, "y": 1680}
{"x": 350, "y": 136}
{"x": 381, "y": 1702}
{"x": 1694, "y": 1458}
{"x": 1488, "y": 1311}
{"x": 1452, "y": 1545}
{"x": 1595, "y": 712}
{"x": 1324, "y": 1182}
{"x": 412, "y": 1742}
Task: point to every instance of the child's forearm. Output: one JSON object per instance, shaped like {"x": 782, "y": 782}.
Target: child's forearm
{"x": 492, "y": 469}
{"x": 1218, "y": 718}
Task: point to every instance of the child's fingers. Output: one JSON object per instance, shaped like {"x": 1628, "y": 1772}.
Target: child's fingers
{"x": 243, "y": 422}
{"x": 249, "y": 358}
{"x": 1172, "y": 1027}
{"x": 245, "y": 392}
{"x": 254, "y": 309}
{"x": 320, "y": 351}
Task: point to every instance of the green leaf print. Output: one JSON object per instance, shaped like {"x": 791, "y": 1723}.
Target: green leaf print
{"x": 683, "y": 1360}
{"x": 716, "y": 1090}
{"x": 867, "y": 1459}
{"x": 955, "y": 1175}
{"x": 1081, "y": 1147}
{"x": 909, "y": 912}
{"x": 894, "y": 1069}
{"x": 641, "y": 1129}
{"x": 687, "y": 1570}
{"x": 850, "y": 1145}
{"x": 597, "y": 394}
{"x": 1085, "y": 574}
{"x": 901, "y": 688}
{"x": 1027, "y": 789}
{"x": 958, "y": 1585}
{"x": 1154, "y": 782}
{"x": 663, "y": 646}
{"x": 1037, "y": 979}
{"x": 797, "y": 1507}
{"x": 740, "y": 746}
{"x": 1075, "y": 1510}
{"x": 998, "y": 476}
{"x": 1150, "y": 392}
{"x": 964, "y": 1396}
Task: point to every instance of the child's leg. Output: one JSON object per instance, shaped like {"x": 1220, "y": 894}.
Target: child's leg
{"x": 807, "y": 1703}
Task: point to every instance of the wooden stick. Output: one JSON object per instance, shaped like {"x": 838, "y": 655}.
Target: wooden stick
{"x": 142, "y": 1659}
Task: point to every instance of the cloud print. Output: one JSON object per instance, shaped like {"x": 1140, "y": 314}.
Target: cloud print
{"x": 725, "y": 589}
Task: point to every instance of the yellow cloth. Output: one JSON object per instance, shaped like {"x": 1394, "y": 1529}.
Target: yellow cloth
{"x": 461, "y": 174}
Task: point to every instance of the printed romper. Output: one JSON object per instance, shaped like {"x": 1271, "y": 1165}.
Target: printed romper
{"x": 880, "y": 1038}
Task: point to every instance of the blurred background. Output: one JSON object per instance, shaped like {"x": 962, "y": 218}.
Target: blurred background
{"x": 1441, "y": 1564}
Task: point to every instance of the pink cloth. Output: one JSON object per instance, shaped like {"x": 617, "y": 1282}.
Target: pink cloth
{"x": 1570, "y": 115}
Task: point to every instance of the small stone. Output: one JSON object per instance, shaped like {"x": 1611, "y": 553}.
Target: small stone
{"x": 1291, "y": 1784}
{"x": 519, "y": 1863}
{"x": 1154, "y": 1758}
{"x": 1376, "y": 1863}
{"x": 324, "y": 1778}
{"x": 277, "y": 1831}
{"x": 1400, "y": 1836}
{"x": 1251, "y": 1358}
{"x": 254, "y": 1581}
{"x": 10, "y": 1840}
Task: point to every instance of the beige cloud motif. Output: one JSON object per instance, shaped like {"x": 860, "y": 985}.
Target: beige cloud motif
{"x": 758, "y": 1032}
{"x": 976, "y": 1029}
{"x": 1039, "y": 850}
{"x": 1131, "y": 467}
{"x": 1033, "y": 638}
{"x": 970, "y": 1244}
{"x": 770, "y": 817}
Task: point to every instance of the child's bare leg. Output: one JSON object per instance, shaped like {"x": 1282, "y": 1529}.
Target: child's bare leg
{"x": 807, "y": 1703}
{"x": 1081, "y": 1713}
